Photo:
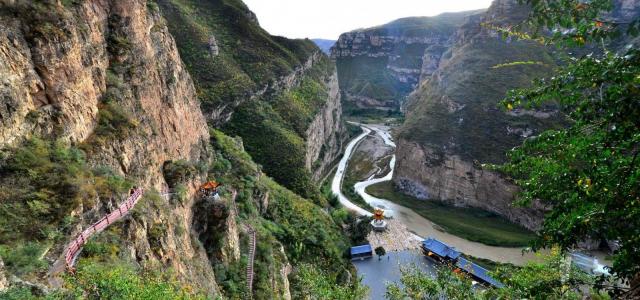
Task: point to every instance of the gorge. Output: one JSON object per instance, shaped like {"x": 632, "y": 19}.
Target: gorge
{"x": 101, "y": 100}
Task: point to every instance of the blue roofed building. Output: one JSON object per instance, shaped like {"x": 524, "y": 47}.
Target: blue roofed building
{"x": 477, "y": 272}
{"x": 361, "y": 252}
{"x": 439, "y": 251}
{"x": 444, "y": 253}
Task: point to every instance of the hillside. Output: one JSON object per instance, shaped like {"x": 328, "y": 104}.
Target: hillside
{"x": 378, "y": 67}
{"x": 97, "y": 97}
{"x": 453, "y": 122}
{"x": 266, "y": 89}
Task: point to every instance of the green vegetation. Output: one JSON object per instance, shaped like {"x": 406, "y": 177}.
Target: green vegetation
{"x": 380, "y": 251}
{"x": 308, "y": 234}
{"x": 472, "y": 224}
{"x": 461, "y": 116}
{"x": 40, "y": 184}
{"x": 316, "y": 284}
{"x": 248, "y": 60}
{"x": 113, "y": 124}
{"x": 111, "y": 281}
{"x": 363, "y": 76}
{"x": 589, "y": 171}
{"x": 551, "y": 279}
{"x": 180, "y": 171}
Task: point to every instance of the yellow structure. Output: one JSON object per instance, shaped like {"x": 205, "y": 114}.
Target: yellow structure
{"x": 378, "y": 214}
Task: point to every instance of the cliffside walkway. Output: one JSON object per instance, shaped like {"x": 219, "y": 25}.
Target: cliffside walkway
{"x": 70, "y": 254}
{"x": 252, "y": 254}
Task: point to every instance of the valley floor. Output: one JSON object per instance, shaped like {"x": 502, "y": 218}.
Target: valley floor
{"x": 472, "y": 224}
{"x": 422, "y": 226}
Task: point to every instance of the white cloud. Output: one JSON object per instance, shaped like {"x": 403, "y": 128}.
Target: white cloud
{"x": 329, "y": 18}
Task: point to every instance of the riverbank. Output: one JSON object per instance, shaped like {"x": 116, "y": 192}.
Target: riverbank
{"x": 414, "y": 222}
{"x": 472, "y": 224}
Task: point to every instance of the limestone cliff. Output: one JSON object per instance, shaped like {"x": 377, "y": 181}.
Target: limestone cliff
{"x": 454, "y": 123}
{"x": 379, "y": 66}
{"x": 107, "y": 78}
{"x": 325, "y": 135}
{"x": 67, "y": 71}
{"x": 266, "y": 89}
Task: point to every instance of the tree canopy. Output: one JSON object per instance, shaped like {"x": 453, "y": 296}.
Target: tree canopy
{"x": 587, "y": 174}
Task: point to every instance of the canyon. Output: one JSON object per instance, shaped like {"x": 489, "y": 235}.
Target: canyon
{"x": 115, "y": 80}
{"x": 100, "y": 97}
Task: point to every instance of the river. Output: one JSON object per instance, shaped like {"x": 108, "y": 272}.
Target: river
{"x": 413, "y": 221}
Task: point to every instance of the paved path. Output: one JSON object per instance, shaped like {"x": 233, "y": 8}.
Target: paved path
{"x": 415, "y": 223}
{"x": 342, "y": 166}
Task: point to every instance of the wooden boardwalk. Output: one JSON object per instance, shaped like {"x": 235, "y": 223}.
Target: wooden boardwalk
{"x": 70, "y": 253}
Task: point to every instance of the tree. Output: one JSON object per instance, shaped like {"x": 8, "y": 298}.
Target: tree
{"x": 380, "y": 252}
{"x": 553, "y": 278}
{"x": 588, "y": 173}
{"x": 312, "y": 283}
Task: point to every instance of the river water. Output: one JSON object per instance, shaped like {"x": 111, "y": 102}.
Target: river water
{"x": 413, "y": 221}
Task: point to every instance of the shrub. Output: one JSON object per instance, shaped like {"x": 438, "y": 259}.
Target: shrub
{"x": 24, "y": 258}
{"x": 177, "y": 172}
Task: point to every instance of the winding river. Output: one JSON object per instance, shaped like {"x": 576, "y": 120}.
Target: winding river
{"x": 413, "y": 221}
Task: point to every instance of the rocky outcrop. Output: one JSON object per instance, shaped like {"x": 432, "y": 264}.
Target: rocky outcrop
{"x": 324, "y": 137}
{"x": 4, "y": 284}
{"x": 380, "y": 66}
{"x": 454, "y": 124}
{"x": 222, "y": 114}
{"x": 65, "y": 70}
{"x": 458, "y": 182}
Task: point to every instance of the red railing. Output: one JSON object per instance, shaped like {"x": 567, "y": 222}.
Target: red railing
{"x": 252, "y": 254}
{"x": 74, "y": 247}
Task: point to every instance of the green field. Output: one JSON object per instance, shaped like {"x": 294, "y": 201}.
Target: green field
{"x": 472, "y": 224}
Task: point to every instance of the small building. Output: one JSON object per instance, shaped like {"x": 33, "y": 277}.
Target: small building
{"x": 439, "y": 251}
{"x": 361, "y": 252}
{"x": 477, "y": 272}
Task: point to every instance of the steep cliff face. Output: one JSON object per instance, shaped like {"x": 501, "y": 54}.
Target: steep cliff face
{"x": 69, "y": 71}
{"x": 454, "y": 124}
{"x": 458, "y": 182}
{"x": 266, "y": 89}
{"x": 325, "y": 135}
{"x": 106, "y": 76}
{"x": 379, "y": 66}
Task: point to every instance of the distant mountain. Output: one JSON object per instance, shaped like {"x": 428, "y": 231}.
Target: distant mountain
{"x": 379, "y": 66}
{"x": 324, "y": 45}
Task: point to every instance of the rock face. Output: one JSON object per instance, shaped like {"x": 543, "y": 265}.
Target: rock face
{"x": 266, "y": 89}
{"x": 106, "y": 76}
{"x": 459, "y": 183}
{"x": 4, "y": 284}
{"x": 379, "y": 66}
{"x": 63, "y": 69}
{"x": 324, "y": 137}
{"x": 454, "y": 123}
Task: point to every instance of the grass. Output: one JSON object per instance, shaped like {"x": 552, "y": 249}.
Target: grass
{"x": 370, "y": 77}
{"x": 477, "y": 129}
{"x": 472, "y": 224}
{"x": 250, "y": 58}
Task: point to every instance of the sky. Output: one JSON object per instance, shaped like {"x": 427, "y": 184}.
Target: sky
{"x": 327, "y": 19}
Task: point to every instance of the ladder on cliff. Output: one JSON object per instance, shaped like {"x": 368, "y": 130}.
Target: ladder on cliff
{"x": 71, "y": 252}
{"x": 252, "y": 254}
